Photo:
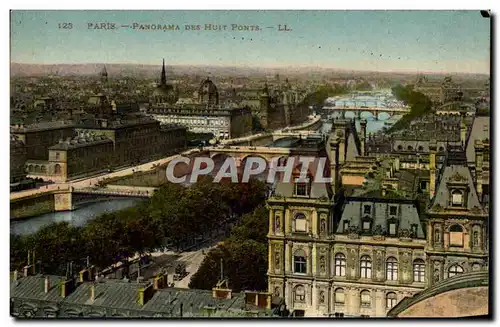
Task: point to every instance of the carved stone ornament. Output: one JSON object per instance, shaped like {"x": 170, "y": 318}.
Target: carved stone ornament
{"x": 322, "y": 227}
{"x": 321, "y": 297}
{"x": 476, "y": 210}
{"x": 437, "y": 207}
{"x": 457, "y": 177}
{"x": 322, "y": 264}
{"x": 378, "y": 230}
{"x": 277, "y": 291}
{"x": 353, "y": 232}
{"x": 436, "y": 275}
{"x": 404, "y": 233}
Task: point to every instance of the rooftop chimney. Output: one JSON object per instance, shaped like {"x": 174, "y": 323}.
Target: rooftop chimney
{"x": 47, "y": 284}
{"x": 15, "y": 275}
{"x": 222, "y": 291}
{"x": 144, "y": 294}
{"x": 92, "y": 292}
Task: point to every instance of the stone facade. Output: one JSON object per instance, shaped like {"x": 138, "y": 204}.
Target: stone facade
{"x": 360, "y": 255}
{"x": 18, "y": 157}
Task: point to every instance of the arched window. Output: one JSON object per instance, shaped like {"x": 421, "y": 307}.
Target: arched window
{"x": 43, "y": 169}
{"x": 300, "y": 293}
{"x": 456, "y": 235}
{"x": 455, "y": 270}
{"x": 339, "y": 296}
{"x": 57, "y": 169}
{"x": 457, "y": 198}
{"x": 400, "y": 147}
{"x": 419, "y": 271}
{"x": 420, "y": 148}
{"x": 390, "y": 300}
{"x": 410, "y": 148}
{"x": 392, "y": 268}
{"x": 300, "y": 222}
{"x": 300, "y": 262}
{"x": 366, "y": 267}
{"x": 366, "y": 300}
{"x": 340, "y": 264}
{"x": 37, "y": 169}
{"x": 441, "y": 149}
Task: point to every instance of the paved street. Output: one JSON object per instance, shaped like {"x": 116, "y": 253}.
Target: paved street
{"x": 86, "y": 182}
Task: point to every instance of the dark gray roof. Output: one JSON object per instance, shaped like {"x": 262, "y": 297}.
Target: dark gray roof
{"x": 123, "y": 295}
{"x": 480, "y": 130}
{"x": 33, "y": 288}
{"x": 456, "y": 173}
{"x": 407, "y": 214}
{"x": 119, "y": 295}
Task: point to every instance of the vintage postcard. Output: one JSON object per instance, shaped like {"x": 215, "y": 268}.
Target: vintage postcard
{"x": 250, "y": 164}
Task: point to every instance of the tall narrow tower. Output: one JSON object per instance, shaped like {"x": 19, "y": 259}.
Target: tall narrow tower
{"x": 104, "y": 75}
{"x": 163, "y": 75}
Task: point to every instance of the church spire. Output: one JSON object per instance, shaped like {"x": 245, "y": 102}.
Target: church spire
{"x": 163, "y": 74}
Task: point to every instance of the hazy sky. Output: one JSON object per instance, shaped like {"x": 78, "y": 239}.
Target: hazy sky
{"x": 438, "y": 41}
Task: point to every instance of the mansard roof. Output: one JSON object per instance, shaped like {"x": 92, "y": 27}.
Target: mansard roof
{"x": 480, "y": 130}
{"x": 407, "y": 215}
{"x": 455, "y": 173}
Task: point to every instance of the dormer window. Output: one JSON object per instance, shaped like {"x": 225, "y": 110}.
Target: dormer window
{"x": 393, "y": 210}
{"x": 346, "y": 226}
{"x": 392, "y": 229}
{"x": 302, "y": 188}
{"x": 367, "y": 225}
{"x": 414, "y": 229}
{"x": 457, "y": 198}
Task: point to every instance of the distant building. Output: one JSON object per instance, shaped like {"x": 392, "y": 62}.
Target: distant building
{"x": 38, "y": 137}
{"x": 81, "y": 156}
{"x": 205, "y": 115}
{"x": 18, "y": 157}
{"x": 104, "y": 75}
{"x": 164, "y": 93}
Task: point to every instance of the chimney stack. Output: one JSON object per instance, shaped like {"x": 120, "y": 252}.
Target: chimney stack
{"x": 15, "y": 275}
{"x": 363, "y": 123}
{"x": 463, "y": 132}
{"x": 432, "y": 168}
{"x": 47, "y": 284}
{"x": 92, "y": 292}
{"x": 478, "y": 147}
{"x": 334, "y": 164}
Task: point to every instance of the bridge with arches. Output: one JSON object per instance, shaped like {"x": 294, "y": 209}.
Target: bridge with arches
{"x": 357, "y": 107}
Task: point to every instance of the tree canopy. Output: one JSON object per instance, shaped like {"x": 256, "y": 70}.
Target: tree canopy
{"x": 244, "y": 256}
{"x": 174, "y": 212}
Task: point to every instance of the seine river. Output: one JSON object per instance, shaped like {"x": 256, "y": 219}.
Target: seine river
{"x": 82, "y": 215}
{"x": 380, "y": 99}
{"x": 77, "y": 217}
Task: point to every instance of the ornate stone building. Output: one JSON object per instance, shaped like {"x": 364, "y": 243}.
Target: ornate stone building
{"x": 335, "y": 252}
{"x": 164, "y": 93}
{"x": 281, "y": 106}
{"x": 38, "y": 137}
{"x": 204, "y": 115}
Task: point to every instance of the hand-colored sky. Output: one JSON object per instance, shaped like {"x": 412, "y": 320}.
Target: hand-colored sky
{"x": 440, "y": 41}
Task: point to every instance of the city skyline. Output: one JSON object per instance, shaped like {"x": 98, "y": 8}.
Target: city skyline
{"x": 398, "y": 41}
